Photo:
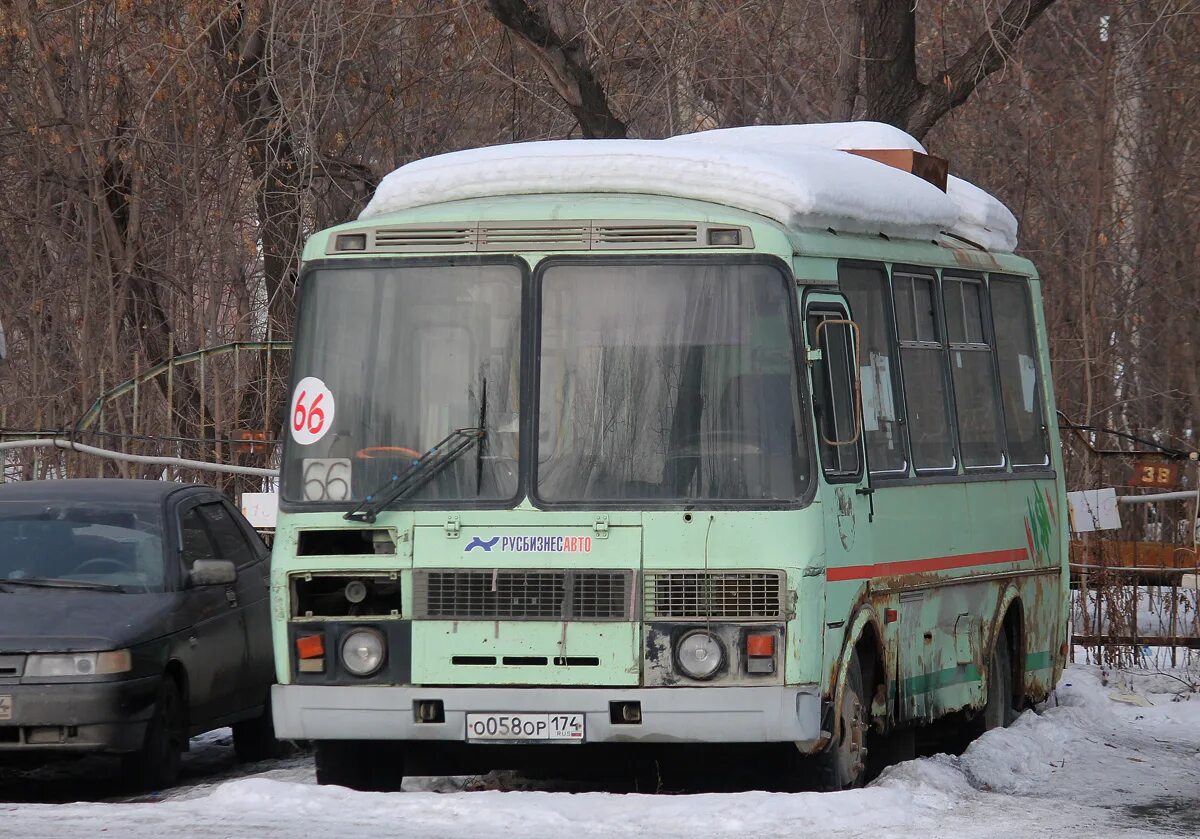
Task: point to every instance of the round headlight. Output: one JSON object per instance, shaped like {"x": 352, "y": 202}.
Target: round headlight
{"x": 362, "y": 651}
{"x": 700, "y": 655}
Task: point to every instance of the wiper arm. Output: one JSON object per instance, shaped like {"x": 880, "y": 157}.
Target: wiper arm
{"x": 421, "y": 472}
{"x": 54, "y": 582}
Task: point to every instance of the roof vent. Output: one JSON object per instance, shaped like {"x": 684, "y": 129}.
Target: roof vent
{"x": 925, "y": 166}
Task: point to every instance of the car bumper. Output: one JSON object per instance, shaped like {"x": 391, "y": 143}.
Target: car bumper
{"x": 78, "y": 717}
{"x": 669, "y": 715}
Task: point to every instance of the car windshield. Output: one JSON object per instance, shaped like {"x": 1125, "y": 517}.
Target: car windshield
{"x": 671, "y": 382}
{"x": 391, "y": 360}
{"x": 88, "y": 543}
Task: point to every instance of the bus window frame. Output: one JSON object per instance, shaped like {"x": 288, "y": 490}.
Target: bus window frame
{"x": 934, "y": 275}
{"x": 891, "y": 336}
{"x": 807, "y": 448}
{"x": 837, "y": 310}
{"x": 1039, "y": 394}
{"x": 524, "y": 359}
{"x": 989, "y": 346}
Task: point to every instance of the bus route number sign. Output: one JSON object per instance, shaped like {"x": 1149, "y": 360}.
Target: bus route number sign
{"x": 311, "y": 414}
{"x": 1157, "y": 474}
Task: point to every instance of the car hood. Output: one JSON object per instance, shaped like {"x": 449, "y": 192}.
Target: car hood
{"x": 73, "y": 620}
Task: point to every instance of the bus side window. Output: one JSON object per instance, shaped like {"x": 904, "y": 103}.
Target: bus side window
{"x": 834, "y": 392}
{"x": 973, "y": 372}
{"x": 923, "y": 354}
{"x": 1020, "y": 386}
{"x": 866, "y": 288}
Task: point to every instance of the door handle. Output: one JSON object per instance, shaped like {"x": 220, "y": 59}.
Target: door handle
{"x": 231, "y": 596}
{"x": 864, "y": 491}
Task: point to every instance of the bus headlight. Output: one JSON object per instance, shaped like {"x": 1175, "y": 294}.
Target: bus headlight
{"x": 700, "y": 654}
{"x": 362, "y": 651}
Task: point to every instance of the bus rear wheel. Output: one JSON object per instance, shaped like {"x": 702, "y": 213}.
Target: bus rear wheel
{"x": 360, "y": 765}
{"x": 999, "y": 712}
{"x": 843, "y": 764}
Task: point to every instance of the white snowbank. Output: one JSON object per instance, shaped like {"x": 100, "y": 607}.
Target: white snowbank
{"x": 795, "y": 174}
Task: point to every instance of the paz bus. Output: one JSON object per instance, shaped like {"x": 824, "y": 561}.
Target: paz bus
{"x": 731, "y": 440}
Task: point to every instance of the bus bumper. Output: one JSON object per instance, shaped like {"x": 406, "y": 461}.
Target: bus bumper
{"x": 668, "y": 715}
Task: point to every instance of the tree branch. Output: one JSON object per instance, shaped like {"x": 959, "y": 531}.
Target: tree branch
{"x": 985, "y": 56}
{"x": 564, "y": 64}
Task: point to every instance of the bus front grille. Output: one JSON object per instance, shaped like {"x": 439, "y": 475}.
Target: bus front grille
{"x": 519, "y": 594}
{"x": 714, "y": 595}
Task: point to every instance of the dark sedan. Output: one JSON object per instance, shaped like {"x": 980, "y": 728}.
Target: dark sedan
{"x": 133, "y": 615}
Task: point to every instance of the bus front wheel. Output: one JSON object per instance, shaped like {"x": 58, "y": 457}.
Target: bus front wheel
{"x": 843, "y": 764}
{"x": 359, "y": 765}
{"x": 999, "y": 711}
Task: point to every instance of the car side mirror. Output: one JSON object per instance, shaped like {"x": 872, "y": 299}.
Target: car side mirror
{"x": 212, "y": 572}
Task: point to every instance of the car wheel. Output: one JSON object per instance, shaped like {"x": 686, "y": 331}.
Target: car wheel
{"x": 360, "y": 765}
{"x": 156, "y": 765}
{"x": 254, "y": 739}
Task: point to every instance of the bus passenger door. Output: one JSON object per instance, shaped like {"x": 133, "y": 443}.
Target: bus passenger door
{"x": 832, "y": 347}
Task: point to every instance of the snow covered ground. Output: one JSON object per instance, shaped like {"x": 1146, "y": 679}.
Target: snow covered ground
{"x": 1108, "y": 759}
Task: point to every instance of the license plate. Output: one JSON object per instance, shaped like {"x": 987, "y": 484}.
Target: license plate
{"x": 521, "y": 728}
{"x": 6, "y": 707}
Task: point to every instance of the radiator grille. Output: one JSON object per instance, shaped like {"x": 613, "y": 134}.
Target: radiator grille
{"x": 714, "y": 595}
{"x": 508, "y": 594}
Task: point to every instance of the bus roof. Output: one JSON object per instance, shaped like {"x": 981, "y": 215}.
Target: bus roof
{"x": 797, "y": 175}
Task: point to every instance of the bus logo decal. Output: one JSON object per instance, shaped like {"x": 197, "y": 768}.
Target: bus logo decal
{"x": 533, "y": 544}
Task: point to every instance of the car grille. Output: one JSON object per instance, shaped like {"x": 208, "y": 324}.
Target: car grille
{"x": 713, "y": 595}
{"x": 511, "y": 594}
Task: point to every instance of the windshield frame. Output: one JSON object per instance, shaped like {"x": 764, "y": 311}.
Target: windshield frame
{"x": 803, "y": 397}
{"x": 308, "y": 269}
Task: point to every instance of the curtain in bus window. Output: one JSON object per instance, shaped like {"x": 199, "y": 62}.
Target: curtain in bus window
{"x": 667, "y": 382}
{"x": 924, "y": 358}
{"x": 973, "y": 373}
{"x": 833, "y": 392}
{"x": 1019, "y": 386}
{"x": 409, "y": 353}
{"x": 866, "y": 289}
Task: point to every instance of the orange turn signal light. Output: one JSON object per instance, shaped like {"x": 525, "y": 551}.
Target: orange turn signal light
{"x": 760, "y": 645}
{"x": 310, "y": 646}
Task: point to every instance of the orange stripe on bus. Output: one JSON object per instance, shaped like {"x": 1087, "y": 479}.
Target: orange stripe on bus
{"x": 916, "y": 566}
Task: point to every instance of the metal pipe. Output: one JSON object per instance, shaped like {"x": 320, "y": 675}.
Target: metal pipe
{"x": 1185, "y": 495}
{"x": 177, "y": 462}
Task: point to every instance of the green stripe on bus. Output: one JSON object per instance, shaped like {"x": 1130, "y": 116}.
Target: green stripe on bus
{"x": 1038, "y": 661}
{"x": 942, "y": 679}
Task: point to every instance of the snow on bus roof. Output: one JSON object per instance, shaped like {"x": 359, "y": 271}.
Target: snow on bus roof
{"x": 797, "y": 175}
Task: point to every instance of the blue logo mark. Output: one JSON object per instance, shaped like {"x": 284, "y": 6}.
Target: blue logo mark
{"x": 487, "y": 544}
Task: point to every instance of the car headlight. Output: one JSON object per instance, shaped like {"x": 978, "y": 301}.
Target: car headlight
{"x": 699, "y": 654}
{"x": 362, "y": 651}
{"x": 50, "y": 666}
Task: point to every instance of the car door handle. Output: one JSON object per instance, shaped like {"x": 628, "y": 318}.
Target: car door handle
{"x": 231, "y": 596}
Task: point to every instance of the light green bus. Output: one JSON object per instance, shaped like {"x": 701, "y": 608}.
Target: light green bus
{"x": 579, "y": 472}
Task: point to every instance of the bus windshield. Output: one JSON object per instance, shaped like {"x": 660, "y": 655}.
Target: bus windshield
{"x": 406, "y": 355}
{"x": 670, "y": 382}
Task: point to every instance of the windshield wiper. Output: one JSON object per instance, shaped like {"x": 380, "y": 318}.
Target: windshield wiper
{"x": 421, "y": 472}
{"x": 54, "y": 582}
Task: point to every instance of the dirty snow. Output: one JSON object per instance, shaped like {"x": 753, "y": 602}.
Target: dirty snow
{"x": 795, "y": 174}
{"x": 1089, "y": 765}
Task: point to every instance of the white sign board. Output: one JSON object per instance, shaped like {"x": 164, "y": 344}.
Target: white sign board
{"x": 261, "y": 509}
{"x": 1093, "y": 509}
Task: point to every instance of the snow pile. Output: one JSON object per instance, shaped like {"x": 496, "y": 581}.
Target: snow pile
{"x": 794, "y": 174}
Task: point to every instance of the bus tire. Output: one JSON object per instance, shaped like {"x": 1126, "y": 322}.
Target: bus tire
{"x": 359, "y": 765}
{"x": 999, "y": 711}
{"x": 843, "y": 764}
